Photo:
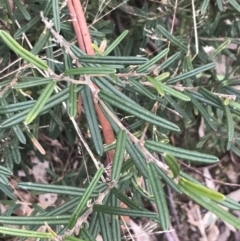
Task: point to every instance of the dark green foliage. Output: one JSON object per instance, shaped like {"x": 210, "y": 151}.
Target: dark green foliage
{"x": 155, "y": 81}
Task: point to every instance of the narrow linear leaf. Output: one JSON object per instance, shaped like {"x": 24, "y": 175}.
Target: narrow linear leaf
{"x": 230, "y": 203}
{"x": 172, "y": 38}
{"x": 128, "y": 60}
{"x": 201, "y": 190}
{"x": 105, "y": 227}
{"x": 36, "y": 109}
{"x": 177, "y": 107}
{"x": 168, "y": 180}
{"x": 137, "y": 111}
{"x": 159, "y": 196}
{"x": 174, "y": 92}
{"x": 172, "y": 164}
{"x": 220, "y": 48}
{"x": 17, "y": 130}
{"x": 144, "y": 193}
{"x": 119, "y": 155}
{"x": 56, "y": 15}
{"x": 191, "y": 73}
{"x": 169, "y": 61}
{"x": 72, "y": 102}
{"x": 3, "y": 179}
{"x": 151, "y": 62}
{"x": 92, "y": 119}
{"x": 22, "y": 8}
{"x": 140, "y": 88}
{"x": 162, "y": 77}
{"x": 29, "y": 25}
{"x": 72, "y": 238}
{"x": 59, "y": 189}
{"x": 116, "y": 42}
{"x": 5, "y": 109}
{"x": 235, "y": 4}
{"x": 41, "y": 42}
{"x": 18, "y": 49}
{"x": 230, "y": 123}
{"x": 204, "y": 113}
{"x": 25, "y": 233}
{"x": 90, "y": 71}
{"x": 5, "y": 171}
{"x": 87, "y": 235}
{"x": 83, "y": 202}
{"x": 123, "y": 211}
{"x": 204, "y": 6}
{"x": 156, "y": 85}
{"x": 209, "y": 95}
{"x": 212, "y": 207}
{"x": 38, "y": 220}
{"x": 52, "y": 101}
{"x": 180, "y": 153}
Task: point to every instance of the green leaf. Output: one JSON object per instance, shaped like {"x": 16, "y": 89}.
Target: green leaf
{"x": 156, "y": 85}
{"x": 5, "y": 109}
{"x": 116, "y": 226}
{"x": 230, "y": 203}
{"x": 204, "y": 6}
{"x": 17, "y": 130}
{"x": 137, "y": 111}
{"x": 212, "y": 207}
{"x": 159, "y": 196}
{"x": 59, "y": 189}
{"x": 119, "y": 155}
{"x": 83, "y": 202}
{"x": 86, "y": 235}
{"x": 191, "y": 73}
{"x": 123, "y": 211}
{"x": 25, "y": 233}
{"x": 72, "y": 238}
{"x": 201, "y": 190}
{"x": 105, "y": 227}
{"x": 23, "y": 53}
{"x": 92, "y": 119}
{"x": 172, "y": 38}
{"x": 31, "y": 220}
{"x": 90, "y": 71}
{"x": 204, "y": 113}
{"x": 172, "y": 164}
{"x": 41, "y": 42}
{"x": 3, "y": 179}
{"x": 5, "y": 171}
{"x": 220, "y": 48}
{"x": 169, "y": 61}
{"x": 56, "y": 15}
{"x": 174, "y": 92}
{"x": 235, "y": 4}
{"x": 140, "y": 88}
{"x": 36, "y": 109}
{"x": 128, "y": 60}
{"x": 168, "y": 180}
{"x": 26, "y": 82}
{"x": 22, "y": 9}
{"x": 193, "y": 156}
{"x": 72, "y": 102}
{"x": 230, "y": 123}
{"x": 150, "y": 63}
{"x": 177, "y": 107}
{"x": 116, "y": 42}
{"x": 52, "y": 101}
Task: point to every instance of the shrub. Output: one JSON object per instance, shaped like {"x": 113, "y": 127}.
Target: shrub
{"x": 143, "y": 78}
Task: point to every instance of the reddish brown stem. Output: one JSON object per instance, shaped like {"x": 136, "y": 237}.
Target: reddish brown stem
{"x": 85, "y": 43}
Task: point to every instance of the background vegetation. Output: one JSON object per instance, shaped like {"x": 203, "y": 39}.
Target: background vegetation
{"x": 116, "y": 108}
